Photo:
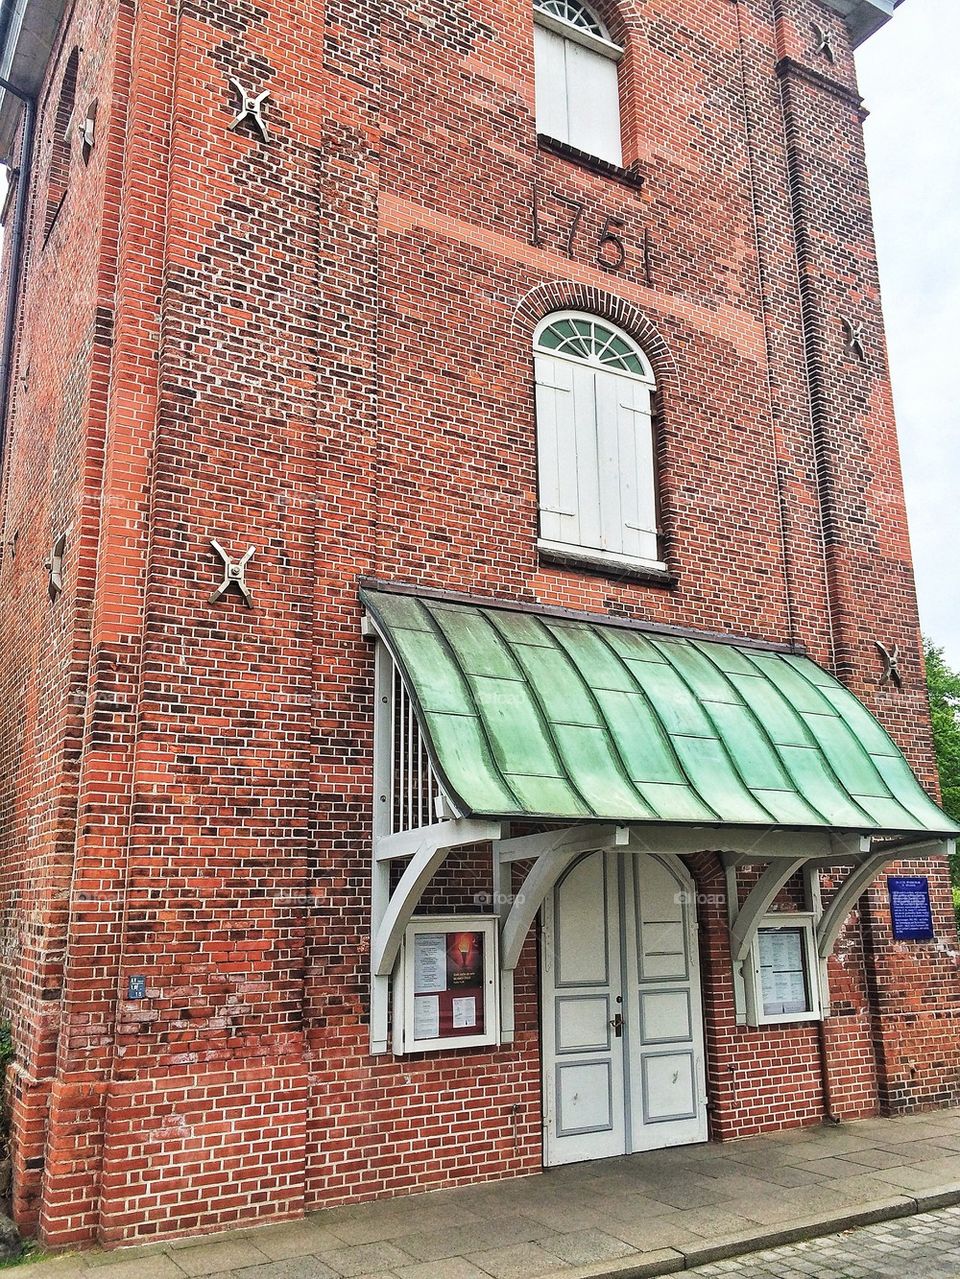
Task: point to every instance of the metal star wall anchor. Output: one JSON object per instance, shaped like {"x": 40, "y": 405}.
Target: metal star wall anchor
{"x": 853, "y": 332}
{"x": 891, "y": 670}
{"x": 824, "y": 43}
{"x": 234, "y": 574}
{"x": 251, "y": 108}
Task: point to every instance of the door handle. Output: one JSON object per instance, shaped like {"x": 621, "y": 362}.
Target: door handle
{"x": 617, "y": 1024}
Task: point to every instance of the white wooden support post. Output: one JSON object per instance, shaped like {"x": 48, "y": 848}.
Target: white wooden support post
{"x": 502, "y": 892}
{"x": 382, "y": 823}
{"x": 813, "y": 900}
{"x": 730, "y": 863}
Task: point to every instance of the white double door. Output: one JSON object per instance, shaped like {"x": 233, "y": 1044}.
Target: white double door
{"x": 622, "y": 1024}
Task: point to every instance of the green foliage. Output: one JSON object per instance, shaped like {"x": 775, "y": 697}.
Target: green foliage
{"x": 943, "y": 686}
{"x": 6, "y": 1048}
{"x": 31, "y": 1251}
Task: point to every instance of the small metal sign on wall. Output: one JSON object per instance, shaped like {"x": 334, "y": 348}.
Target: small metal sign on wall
{"x": 910, "y": 913}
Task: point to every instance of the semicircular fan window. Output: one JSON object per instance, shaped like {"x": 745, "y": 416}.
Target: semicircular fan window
{"x": 578, "y": 15}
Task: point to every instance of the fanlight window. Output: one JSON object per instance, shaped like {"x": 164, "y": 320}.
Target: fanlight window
{"x": 592, "y": 340}
{"x": 595, "y": 444}
{"x": 578, "y": 93}
{"x": 578, "y": 15}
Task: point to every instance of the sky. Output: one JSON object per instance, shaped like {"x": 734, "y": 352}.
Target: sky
{"x": 911, "y": 86}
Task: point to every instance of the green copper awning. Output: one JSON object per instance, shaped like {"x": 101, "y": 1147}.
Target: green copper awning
{"x": 533, "y": 716}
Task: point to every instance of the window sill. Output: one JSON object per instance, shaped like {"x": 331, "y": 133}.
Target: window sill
{"x": 613, "y": 566}
{"x": 788, "y": 1019}
{"x": 630, "y": 177}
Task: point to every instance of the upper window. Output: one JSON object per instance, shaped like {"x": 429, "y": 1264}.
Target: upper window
{"x": 595, "y": 441}
{"x": 578, "y": 94}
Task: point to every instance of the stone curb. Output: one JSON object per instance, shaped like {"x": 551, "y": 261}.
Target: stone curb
{"x": 668, "y": 1261}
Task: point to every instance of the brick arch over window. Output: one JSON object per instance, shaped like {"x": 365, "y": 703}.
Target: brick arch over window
{"x": 567, "y": 295}
{"x": 58, "y": 178}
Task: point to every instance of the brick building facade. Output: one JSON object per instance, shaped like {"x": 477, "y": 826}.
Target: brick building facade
{"x": 322, "y": 331}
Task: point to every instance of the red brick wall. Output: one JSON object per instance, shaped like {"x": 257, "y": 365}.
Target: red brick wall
{"x": 320, "y": 347}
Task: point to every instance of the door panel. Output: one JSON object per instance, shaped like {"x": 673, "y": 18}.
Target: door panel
{"x": 622, "y": 1030}
{"x": 584, "y": 1098}
{"x": 584, "y": 1106}
{"x": 583, "y": 1021}
{"x": 582, "y": 941}
{"x": 669, "y": 1087}
{"x": 551, "y": 77}
{"x": 662, "y": 1014}
{"x": 667, "y": 1101}
{"x": 556, "y": 446}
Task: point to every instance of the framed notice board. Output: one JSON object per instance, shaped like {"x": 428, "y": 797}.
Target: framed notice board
{"x": 445, "y": 994}
{"x": 910, "y": 912}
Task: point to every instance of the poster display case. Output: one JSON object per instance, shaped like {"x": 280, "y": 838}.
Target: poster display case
{"x": 445, "y": 993}
{"x": 783, "y": 979}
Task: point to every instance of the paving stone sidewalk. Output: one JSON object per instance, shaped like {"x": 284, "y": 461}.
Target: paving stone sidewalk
{"x": 655, "y": 1213}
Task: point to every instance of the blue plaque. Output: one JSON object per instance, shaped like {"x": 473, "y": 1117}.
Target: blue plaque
{"x": 910, "y": 912}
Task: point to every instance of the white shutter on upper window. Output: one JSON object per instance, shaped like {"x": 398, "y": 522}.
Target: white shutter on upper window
{"x": 608, "y": 395}
{"x": 585, "y": 464}
{"x": 557, "y": 450}
{"x": 551, "y": 76}
{"x": 637, "y": 475}
{"x": 593, "y": 103}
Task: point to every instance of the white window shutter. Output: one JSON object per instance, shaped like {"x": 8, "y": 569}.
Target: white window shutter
{"x": 609, "y": 462}
{"x": 551, "y": 77}
{"x": 585, "y": 462}
{"x": 556, "y": 451}
{"x": 593, "y": 106}
{"x": 637, "y": 470}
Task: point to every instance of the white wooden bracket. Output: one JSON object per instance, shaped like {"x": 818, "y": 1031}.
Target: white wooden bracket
{"x": 759, "y": 900}
{"x": 428, "y": 850}
{"x": 860, "y": 879}
{"x": 554, "y": 851}
{"x": 845, "y": 898}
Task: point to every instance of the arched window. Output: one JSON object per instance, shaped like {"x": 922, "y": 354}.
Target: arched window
{"x": 578, "y": 95}
{"x": 595, "y": 441}
{"x": 62, "y": 149}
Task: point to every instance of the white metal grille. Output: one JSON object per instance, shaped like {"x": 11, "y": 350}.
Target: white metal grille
{"x": 416, "y": 788}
